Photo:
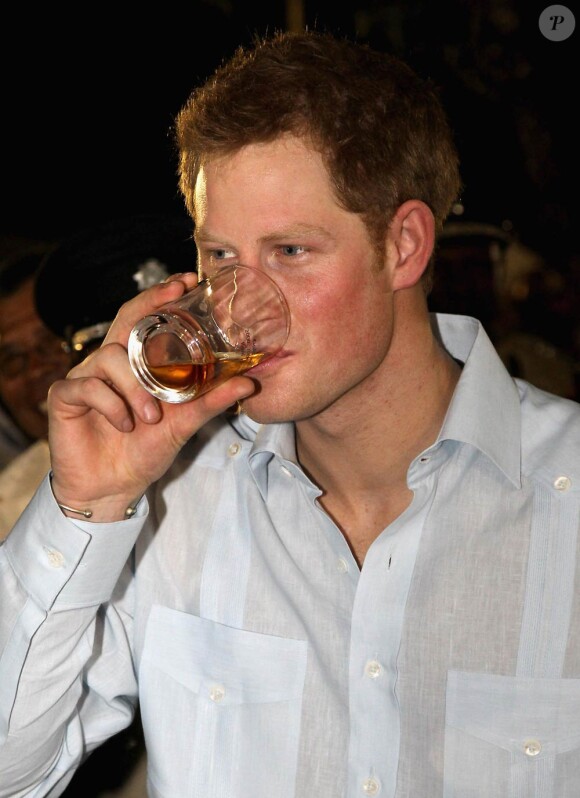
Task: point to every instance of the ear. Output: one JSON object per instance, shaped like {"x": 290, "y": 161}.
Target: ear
{"x": 411, "y": 241}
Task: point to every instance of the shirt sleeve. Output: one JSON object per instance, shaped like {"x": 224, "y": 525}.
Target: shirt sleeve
{"x": 65, "y": 594}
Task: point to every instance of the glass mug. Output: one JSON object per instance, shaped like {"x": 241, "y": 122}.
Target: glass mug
{"x": 230, "y": 322}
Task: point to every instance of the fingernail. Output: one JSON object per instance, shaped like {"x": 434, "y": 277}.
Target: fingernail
{"x": 151, "y": 411}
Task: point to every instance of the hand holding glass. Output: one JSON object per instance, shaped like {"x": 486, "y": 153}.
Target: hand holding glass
{"x": 228, "y": 323}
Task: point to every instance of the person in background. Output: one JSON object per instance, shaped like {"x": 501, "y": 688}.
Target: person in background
{"x": 495, "y": 290}
{"x": 56, "y": 305}
{"x": 32, "y": 357}
{"x": 367, "y": 582}
{"x": 61, "y": 303}
{"x": 84, "y": 281}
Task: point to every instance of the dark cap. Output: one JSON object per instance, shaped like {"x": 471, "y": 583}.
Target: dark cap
{"x": 82, "y": 283}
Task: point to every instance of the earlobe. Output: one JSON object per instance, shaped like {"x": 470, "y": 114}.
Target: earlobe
{"x": 412, "y": 232}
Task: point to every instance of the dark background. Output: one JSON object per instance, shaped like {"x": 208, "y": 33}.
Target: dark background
{"x": 89, "y": 99}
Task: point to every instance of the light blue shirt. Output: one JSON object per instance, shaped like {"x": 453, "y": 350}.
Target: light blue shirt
{"x": 267, "y": 665}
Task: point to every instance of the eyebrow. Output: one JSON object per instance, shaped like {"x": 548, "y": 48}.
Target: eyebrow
{"x": 293, "y": 231}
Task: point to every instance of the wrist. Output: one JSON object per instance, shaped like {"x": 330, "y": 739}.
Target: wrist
{"x": 107, "y": 510}
{"x": 88, "y": 513}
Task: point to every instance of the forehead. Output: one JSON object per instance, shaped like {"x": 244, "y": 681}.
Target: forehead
{"x": 287, "y": 166}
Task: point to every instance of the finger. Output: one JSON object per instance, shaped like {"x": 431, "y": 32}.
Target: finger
{"x": 73, "y": 398}
{"x": 147, "y": 302}
{"x": 110, "y": 365}
{"x": 190, "y": 279}
{"x": 223, "y": 396}
{"x": 190, "y": 416}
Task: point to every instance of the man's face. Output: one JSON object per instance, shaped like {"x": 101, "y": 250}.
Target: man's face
{"x": 271, "y": 206}
{"x": 31, "y": 358}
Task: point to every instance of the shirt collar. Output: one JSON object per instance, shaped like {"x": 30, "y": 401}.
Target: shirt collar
{"x": 485, "y": 408}
{"x": 484, "y": 411}
{"x": 269, "y": 441}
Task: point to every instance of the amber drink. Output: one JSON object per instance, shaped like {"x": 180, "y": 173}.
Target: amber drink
{"x": 227, "y": 324}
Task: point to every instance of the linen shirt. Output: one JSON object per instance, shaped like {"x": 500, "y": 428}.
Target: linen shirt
{"x": 266, "y": 663}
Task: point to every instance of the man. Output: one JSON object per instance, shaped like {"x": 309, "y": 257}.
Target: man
{"x": 364, "y": 584}
{"x": 31, "y": 359}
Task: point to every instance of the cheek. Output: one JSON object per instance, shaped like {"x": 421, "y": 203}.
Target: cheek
{"x": 355, "y": 308}
{"x": 317, "y": 315}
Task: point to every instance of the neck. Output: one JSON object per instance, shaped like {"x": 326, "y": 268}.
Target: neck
{"x": 359, "y": 450}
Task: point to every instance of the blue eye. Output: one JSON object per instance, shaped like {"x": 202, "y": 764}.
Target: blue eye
{"x": 214, "y": 258}
{"x": 292, "y": 249}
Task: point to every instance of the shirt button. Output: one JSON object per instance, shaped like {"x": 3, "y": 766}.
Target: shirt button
{"x": 532, "y": 748}
{"x": 341, "y": 565}
{"x": 233, "y": 449}
{"x": 216, "y": 693}
{"x": 562, "y": 483}
{"x": 55, "y": 558}
{"x": 373, "y": 669}
{"x": 371, "y": 787}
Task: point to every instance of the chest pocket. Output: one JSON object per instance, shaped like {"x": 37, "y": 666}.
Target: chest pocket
{"x": 511, "y": 737}
{"x": 222, "y": 707}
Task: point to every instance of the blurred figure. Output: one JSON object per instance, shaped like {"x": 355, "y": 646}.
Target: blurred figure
{"x": 540, "y": 344}
{"x": 470, "y": 263}
{"x": 482, "y": 270}
{"x": 31, "y": 358}
{"x": 56, "y": 306}
{"x": 91, "y": 274}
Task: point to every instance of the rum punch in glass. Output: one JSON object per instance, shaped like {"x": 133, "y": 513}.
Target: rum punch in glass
{"x": 228, "y": 323}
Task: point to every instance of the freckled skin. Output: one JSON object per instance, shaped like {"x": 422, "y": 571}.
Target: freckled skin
{"x": 340, "y": 302}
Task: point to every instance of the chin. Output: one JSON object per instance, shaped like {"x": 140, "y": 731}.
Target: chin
{"x": 260, "y": 417}
{"x": 264, "y": 412}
